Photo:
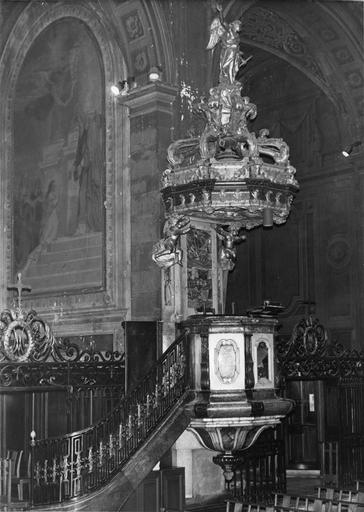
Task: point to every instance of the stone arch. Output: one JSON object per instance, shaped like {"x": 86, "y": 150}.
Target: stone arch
{"x": 319, "y": 43}
{"x": 141, "y": 30}
{"x": 163, "y": 42}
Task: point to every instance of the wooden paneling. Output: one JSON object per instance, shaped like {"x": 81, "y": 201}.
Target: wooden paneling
{"x": 304, "y": 424}
{"x": 160, "y": 490}
{"x": 142, "y": 349}
{"x": 173, "y": 489}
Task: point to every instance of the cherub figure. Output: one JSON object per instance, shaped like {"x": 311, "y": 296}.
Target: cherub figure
{"x": 231, "y": 58}
{"x": 165, "y": 252}
{"x": 230, "y": 237}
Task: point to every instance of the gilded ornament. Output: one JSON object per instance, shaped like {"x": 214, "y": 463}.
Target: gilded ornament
{"x": 228, "y": 174}
{"x": 166, "y": 252}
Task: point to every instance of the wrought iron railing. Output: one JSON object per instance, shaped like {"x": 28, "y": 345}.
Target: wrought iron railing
{"x": 48, "y": 375}
{"x": 81, "y": 462}
{"x": 260, "y": 471}
{"x": 32, "y": 357}
{"x": 308, "y": 354}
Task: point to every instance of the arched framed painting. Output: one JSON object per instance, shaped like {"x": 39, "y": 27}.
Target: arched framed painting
{"x": 59, "y": 161}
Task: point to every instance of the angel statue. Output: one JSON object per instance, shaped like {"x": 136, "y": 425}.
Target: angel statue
{"x": 165, "y": 252}
{"x": 230, "y": 237}
{"x": 231, "y": 58}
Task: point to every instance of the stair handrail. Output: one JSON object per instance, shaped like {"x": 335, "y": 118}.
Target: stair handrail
{"x": 80, "y": 462}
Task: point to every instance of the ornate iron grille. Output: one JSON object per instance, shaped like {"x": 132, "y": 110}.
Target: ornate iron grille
{"x": 309, "y": 355}
{"x": 62, "y": 375}
{"x": 81, "y": 462}
{"x": 31, "y": 356}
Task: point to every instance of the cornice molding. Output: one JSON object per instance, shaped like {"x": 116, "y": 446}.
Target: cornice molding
{"x": 154, "y": 97}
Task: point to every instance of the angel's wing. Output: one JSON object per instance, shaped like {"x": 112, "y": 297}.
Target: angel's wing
{"x": 217, "y": 29}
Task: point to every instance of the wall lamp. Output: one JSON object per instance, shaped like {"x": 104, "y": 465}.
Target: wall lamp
{"x": 122, "y": 87}
{"x": 348, "y": 149}
{"x": 155, "y": 74}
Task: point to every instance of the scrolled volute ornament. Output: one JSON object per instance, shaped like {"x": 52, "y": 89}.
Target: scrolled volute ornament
{"x": 309, "y": 338}
{"x": 18, "y": 341}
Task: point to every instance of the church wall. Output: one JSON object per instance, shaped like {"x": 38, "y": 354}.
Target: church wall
{"x": 311, "y": 263}
{"x": 146, "y": 214}
{"x": 309, "y": 95}
{"x": 64, "y": 301}
{"x": 313, "y": 126}
{"x": 316, "y": 257}
{"x": 130, "y": 37}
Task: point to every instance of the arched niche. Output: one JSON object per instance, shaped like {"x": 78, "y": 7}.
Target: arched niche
{"x": 107, "y": 301}
{"x": 263, "y": 358}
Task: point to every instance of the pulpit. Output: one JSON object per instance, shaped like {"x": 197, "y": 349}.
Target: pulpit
{"x": 218, "y": 186}
{"x": 233, "y": 375}
{"x": 232, "y": 355}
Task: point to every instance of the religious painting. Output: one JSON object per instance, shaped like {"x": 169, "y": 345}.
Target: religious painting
{"x": 59, "y": 161}
{"x": 199, "y": 265}
{"x": 263, "y": 361}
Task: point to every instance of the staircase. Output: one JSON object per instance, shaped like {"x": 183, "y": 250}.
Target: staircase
{"x": 98, "y": 468}
{"x": 114, "y": 494}
{"x": 68, "y": 263}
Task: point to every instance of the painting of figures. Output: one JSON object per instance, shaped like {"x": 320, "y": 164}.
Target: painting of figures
{"x": 59, "y": 161}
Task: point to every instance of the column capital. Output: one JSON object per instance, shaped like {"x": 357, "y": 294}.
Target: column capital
{"x": 153, "y": 97}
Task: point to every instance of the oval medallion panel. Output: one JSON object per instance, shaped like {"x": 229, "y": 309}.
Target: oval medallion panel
{"x": 227, "y": 361}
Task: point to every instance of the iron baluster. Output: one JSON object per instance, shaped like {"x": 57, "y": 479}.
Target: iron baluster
{"x": 89, "y": 458}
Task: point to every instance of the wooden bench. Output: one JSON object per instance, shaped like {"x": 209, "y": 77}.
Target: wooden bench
{"x": 327, "y": 499}
{"x": 286, "y": 503}
{"x": 239, "y": 506}
{"x": 353, "y": 500}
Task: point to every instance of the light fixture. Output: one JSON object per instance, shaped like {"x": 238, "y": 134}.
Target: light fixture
{"x": 122, "y": 87}
{"x": 347, "y": 151}
{"x": 155, "y": 74}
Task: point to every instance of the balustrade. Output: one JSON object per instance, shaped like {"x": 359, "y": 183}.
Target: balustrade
{"x": 259, "y": 471}
{"x": 81, "y": 462}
